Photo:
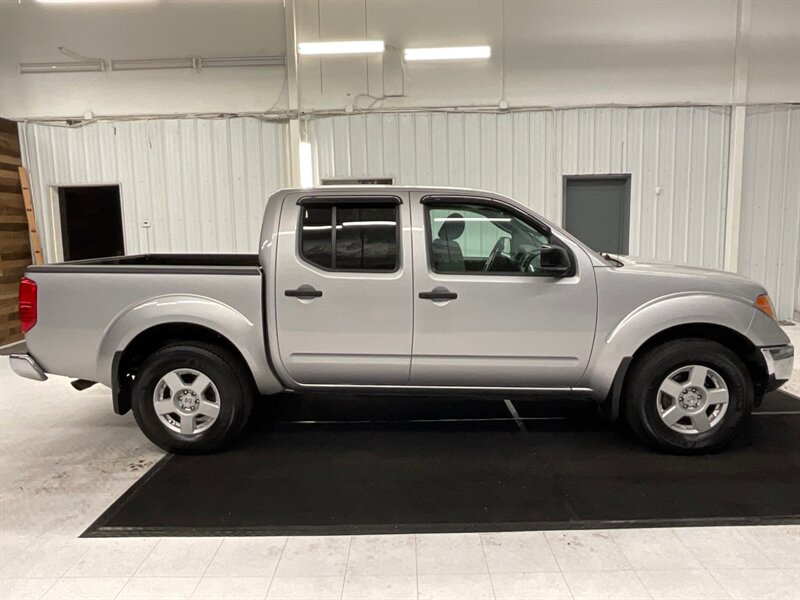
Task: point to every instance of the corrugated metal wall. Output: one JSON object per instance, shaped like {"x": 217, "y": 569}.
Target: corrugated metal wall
{"x": 769, "y": 246}
{"x": 797, "y": 299}
{"x": 201, "y": 183}
{"x": 677, "y": 158}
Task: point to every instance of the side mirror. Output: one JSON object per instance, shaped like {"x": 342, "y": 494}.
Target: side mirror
{"x": 554, "y": 260}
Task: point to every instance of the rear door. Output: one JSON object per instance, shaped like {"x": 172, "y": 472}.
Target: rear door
{"x": 343, "y": 289}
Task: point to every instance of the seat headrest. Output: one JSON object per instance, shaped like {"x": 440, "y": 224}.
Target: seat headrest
{"x": 452, "y": 227}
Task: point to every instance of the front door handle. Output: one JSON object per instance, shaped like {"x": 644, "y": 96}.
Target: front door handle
{"x": 438, "y": 294}
{"x": 303, "y": 292}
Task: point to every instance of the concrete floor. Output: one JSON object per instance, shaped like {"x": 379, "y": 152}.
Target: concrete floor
{"x": 64, "y": 457}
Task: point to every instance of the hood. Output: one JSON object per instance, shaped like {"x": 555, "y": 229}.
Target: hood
{"x": 654, "y": 265}
{"x": 685, "y": 276}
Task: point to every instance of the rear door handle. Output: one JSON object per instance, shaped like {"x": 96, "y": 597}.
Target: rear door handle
{"x": 438, "y": 294}
{"x": 303, "y": 292}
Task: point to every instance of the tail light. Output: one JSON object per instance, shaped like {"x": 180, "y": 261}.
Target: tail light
{"x": 27, "y": 304}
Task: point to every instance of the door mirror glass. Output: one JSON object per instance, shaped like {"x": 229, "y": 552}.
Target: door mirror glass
{"x": 554, "y": 260}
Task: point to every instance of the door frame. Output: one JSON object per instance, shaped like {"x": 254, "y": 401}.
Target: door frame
{"x": 626, "y": 217}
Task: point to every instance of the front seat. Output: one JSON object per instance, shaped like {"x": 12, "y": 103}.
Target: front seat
{"x": 447, "y": 255}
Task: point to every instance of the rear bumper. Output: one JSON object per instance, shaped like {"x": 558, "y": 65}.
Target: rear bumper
{"x": 24, "y": 365}
{"x": 779, "y": 361}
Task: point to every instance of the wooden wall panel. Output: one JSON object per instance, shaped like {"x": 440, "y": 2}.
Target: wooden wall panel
{"x": 15, "y": 248}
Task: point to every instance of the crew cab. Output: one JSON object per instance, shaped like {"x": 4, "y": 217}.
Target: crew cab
{"x": 405, "y": 290}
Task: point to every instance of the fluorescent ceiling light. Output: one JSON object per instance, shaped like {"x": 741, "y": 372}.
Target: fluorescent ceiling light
{"x": 472, "y": 219}
{"x": 156, "y": 63}
{"x": 353, "y": 47}
{"x": 97, "y": 1}
{"x": 454, "y": 53}
{"x": 244, "y": 61}
{"x": 306, "y": 166}
{"x": 369, "y": 224}
{"x": 61, "y": 67}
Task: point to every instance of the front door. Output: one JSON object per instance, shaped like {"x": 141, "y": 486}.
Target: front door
{"x": 343, "y": 290}
{"x": 484, "y": 313}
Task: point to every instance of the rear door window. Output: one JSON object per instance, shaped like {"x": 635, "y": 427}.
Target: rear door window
{"x": 350, "y": 236}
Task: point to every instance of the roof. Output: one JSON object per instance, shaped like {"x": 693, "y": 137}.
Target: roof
{"x": 390, "y": 188}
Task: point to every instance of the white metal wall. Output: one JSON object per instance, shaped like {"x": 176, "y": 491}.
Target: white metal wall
{"x": 201, "y": 183}
{"x": 677, "y": 158}
{"x": 769, "y": 246}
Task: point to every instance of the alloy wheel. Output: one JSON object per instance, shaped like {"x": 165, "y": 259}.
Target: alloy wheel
{"x": 186, "y": 401}
{"x": 692, "y": 399}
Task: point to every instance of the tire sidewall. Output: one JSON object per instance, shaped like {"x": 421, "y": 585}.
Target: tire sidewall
{"x": 655, "y": 368}
{"x": 226, "y": 378}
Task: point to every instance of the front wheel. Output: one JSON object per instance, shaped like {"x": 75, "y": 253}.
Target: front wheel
{"x": 192, "y": 398}
{"x": 688, "y": 396}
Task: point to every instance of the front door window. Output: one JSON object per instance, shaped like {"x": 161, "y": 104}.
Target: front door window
{"x": 474, "y": 238}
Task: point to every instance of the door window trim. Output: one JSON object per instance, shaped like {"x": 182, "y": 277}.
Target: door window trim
{"x": 333, "y": 202}
{"x": 531, "y": 220}
{"x": 326, "y": 200}
{"x": 432, "y": 201}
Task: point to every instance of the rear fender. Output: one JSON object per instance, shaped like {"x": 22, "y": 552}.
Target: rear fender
{"x": 206, "y": 312}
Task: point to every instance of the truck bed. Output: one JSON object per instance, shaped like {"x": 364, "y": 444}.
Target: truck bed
{"x": 88, "y": 309}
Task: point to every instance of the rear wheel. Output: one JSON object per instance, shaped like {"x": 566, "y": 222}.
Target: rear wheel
{"x": 192, "y": 398}
{"x": 688, "y": 396}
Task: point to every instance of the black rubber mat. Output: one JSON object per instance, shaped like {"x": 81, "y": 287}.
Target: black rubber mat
{"x": 350, "y": 464}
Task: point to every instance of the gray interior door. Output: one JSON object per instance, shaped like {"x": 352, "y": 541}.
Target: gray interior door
{"x": 597, "y": 211}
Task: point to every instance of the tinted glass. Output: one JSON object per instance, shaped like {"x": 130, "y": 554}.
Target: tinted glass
{"x": 365, "y": 237}
{"x": 315, "y": 238}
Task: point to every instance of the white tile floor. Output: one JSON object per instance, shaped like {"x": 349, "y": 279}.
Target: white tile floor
{"x": 64, "y": 457}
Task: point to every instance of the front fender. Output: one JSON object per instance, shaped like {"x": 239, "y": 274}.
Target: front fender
{"x": 616, "y": 341}
{"x": 245, "y": 334}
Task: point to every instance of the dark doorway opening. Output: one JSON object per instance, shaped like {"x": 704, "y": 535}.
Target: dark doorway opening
{"x": 597, "y": 211}
{"x": 91, "y": 221}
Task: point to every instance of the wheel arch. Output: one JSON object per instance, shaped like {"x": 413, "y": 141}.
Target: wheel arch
{"x": 128, "y": 361}
{"x": 745, "y": 349}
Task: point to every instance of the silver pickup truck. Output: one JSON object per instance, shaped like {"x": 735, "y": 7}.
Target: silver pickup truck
{"x": 405, "y": 290}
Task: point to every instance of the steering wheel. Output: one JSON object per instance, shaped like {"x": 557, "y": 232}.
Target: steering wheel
{"x": 496, "y": 250}
{"x": 528, "y": 260}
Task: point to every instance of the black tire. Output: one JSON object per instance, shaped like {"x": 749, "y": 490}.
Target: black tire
{"x": 225, "y": 371}
{"x": 641, "y": 395}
